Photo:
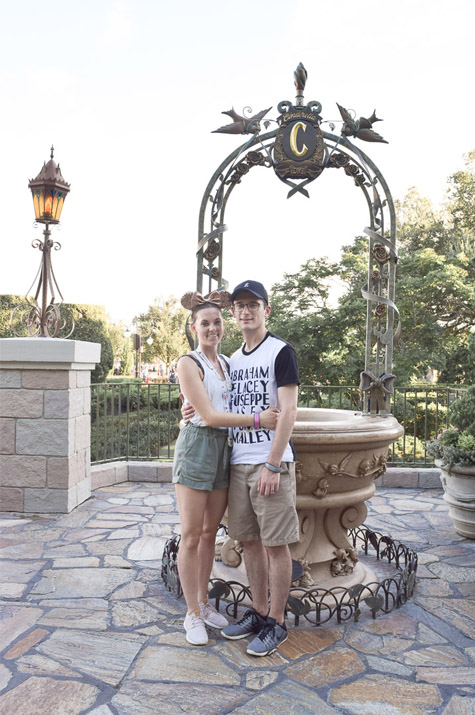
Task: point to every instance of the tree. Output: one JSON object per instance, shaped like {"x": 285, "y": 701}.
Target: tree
{"x": 436, "y": 298}
{"x": 117, "y": 337}
{"x": 420, "y": 225}
{"x": 460, "y": 363}
{"x": 164, "y": 322}
{"x": 126, "y": 358}
{"x": 461, "y": 206}
{"x": 232, "y": 338}
{"x": 7, "y": 304}
{"x": 301, "y": 314}
{"x": 435, "y": 294}
{"x": 92, "y": 325}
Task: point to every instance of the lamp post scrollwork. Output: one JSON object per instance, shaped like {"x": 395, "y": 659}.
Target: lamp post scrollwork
{"x": 41, "y": 315}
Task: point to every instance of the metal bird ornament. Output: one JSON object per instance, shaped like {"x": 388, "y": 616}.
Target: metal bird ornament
{"x": 360, "y": 128}
{"x": 242, "y": 125}
{"x": 379, "y": 390}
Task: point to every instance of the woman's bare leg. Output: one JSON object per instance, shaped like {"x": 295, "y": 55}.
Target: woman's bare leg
{"x": 215, "y": 508}
{"x": 191, "y": 507}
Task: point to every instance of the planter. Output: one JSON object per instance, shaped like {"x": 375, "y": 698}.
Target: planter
{"x": 459, "y": 493}
{"x": 339, "y": 455}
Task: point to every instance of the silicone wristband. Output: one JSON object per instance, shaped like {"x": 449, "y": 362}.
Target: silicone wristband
{"x": 273, "y": 468}
{"x": 257, "y": 420}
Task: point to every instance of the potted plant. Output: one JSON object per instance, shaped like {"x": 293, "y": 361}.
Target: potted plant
{"x": 454, "y": 452}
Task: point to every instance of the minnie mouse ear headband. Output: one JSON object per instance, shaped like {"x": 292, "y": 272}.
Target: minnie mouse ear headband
{"x": 220, "y": 298}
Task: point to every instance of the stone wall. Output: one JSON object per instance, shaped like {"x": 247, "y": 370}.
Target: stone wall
{"x": 105, "y": 475}
{"x": 45, "y": 404}
{"x": 410, "y": 478}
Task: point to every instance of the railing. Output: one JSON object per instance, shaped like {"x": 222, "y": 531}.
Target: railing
{"x": 422, "y": 411}
{"x": 136, "y": 421}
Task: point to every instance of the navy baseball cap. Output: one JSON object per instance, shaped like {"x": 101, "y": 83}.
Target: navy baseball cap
{"x": 253, "y": 287}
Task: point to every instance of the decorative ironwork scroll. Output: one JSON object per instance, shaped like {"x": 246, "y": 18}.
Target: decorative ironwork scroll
{"x": 40, "y": 315}
{"x": 299, "y": 151}
{"x": 319, "y": 605}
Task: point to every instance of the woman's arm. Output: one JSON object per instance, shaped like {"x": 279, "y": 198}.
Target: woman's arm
{"x": 191, "y": 384}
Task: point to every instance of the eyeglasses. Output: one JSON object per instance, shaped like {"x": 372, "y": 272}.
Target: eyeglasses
{"x": 253, "y": 306}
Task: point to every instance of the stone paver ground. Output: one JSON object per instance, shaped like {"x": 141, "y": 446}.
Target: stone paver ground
{"x": 87, "y": 626}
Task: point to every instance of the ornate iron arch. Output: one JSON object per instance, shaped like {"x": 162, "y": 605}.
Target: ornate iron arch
{"x": 299, "y": 151}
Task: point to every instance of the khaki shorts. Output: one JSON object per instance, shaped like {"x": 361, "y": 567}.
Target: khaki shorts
{"x": 201, "y": 459}
{"x": 252, "y": 516}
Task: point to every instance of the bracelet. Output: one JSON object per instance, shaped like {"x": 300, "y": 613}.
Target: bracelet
{"x": 257, "y": 420}
{"x": 273, "y": 468}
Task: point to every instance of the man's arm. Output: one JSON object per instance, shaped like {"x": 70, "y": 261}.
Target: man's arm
{"x": 268, "y": 482}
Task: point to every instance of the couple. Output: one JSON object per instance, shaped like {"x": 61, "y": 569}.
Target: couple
{"x": 259, "y": 412}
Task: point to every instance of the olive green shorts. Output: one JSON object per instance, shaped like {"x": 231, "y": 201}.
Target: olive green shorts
{"x": 202, "y": 458}
{"x": 251, "y": 516}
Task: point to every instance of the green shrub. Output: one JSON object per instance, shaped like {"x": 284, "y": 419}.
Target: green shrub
{"x": 145, "y": 436}
{"x": 462, "y": 412}
{"x": 449, "y": 437}
{"x": 403, "y": 450}
{"x": 460, "y": 452}
{"x": 457, "y": 446}
{"x": 417, "y": 415}
{"x": 150, "y": 413}
{"x": 467, "y": 442}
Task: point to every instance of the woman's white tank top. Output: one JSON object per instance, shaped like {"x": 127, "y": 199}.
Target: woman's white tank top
{"x": 219, "y": 390}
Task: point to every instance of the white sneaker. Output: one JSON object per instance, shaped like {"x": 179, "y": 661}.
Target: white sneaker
{"x": 195, "y": 629}
{"x": 211, "y": 617}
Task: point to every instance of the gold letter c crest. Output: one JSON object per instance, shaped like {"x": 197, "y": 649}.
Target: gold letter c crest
{"x": 293, "y": 139}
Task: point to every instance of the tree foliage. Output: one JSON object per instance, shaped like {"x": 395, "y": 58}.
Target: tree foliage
{"x": 164, "y": 322}
{"x": 126, "y": 358}
{"x": 302, "y": 315}
{"x": 7, "y": 304}
{"x": 117, "y": 337}
{"x": 92, "y": 325}
{"x": 435, "y": 294}
{"x": 232, "y": 338}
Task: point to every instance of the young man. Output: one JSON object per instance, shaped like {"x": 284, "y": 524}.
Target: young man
{"x": 262, "y": 493}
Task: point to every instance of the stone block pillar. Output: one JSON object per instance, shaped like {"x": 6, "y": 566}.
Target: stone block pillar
{"x": 45, "y": 429}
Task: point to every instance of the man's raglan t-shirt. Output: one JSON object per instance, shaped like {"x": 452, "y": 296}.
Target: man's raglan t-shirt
{"x": 255, "y": 377}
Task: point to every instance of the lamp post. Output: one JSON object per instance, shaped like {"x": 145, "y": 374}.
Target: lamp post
{"x": 137, "y": 340}
{"x": 42, "y": 317}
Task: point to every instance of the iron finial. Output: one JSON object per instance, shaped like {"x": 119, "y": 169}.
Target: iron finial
{"x": 52, "y": 151}
{"x": 300, "y": 78}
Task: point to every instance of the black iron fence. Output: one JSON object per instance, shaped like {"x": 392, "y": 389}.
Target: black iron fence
{"x": 136, "y": 421}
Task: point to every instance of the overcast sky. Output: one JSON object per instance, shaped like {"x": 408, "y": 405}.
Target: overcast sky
{"x": 129, "y": 92}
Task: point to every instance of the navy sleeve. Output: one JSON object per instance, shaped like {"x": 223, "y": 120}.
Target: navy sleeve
{"x": 286, "y": 367}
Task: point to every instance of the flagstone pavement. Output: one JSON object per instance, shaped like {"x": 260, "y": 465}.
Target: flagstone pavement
{"x": 87, "y": 625}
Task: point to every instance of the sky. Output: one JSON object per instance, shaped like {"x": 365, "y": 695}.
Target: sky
{"x": 129, "y": 91}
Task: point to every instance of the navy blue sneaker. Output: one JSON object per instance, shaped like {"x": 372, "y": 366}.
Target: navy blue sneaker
{"x": 268, "y": 639}
{"x": 250, "y": 624}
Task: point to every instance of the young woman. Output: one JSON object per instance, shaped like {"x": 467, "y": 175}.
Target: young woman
{"x": 201, "y": 463}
